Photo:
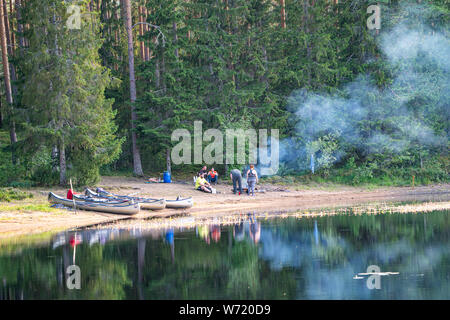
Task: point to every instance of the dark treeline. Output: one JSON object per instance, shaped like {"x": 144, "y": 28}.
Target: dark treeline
{"x": 106, "y": 95}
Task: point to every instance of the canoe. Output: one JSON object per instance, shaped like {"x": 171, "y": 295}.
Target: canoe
{"x": 126, "y": 208}
{"x": 146, "y": 203}
{"x": 99, "y": 200}
{"x": 180, "y": 203}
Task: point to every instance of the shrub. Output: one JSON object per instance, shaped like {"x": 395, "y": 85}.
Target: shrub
{"x": 44, "y": 175}
{"x": 9, "y": 194}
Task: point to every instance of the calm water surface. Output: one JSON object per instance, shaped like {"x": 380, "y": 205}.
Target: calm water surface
{"x": 308, "y": 258}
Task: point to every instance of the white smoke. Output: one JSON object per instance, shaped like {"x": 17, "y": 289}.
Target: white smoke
{"x": 399, "y": 114}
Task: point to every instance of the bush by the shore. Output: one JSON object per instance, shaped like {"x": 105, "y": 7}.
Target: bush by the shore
{"x": 9, "y": 194}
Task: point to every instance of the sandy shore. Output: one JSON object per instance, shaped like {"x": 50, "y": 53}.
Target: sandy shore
{"x": 17, "y": 221}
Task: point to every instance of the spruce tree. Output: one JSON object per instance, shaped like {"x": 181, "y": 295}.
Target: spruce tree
{"x": 167, "y": 99}
{"x": 63, "y": 91}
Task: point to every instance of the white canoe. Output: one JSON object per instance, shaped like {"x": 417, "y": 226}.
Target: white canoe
{"x": 100, "y": 200}
{"x": 146, "y": 203}
{"x": 152, "y": 204}
{"x": 180, "y": 203}
{"x": 126, "y": 208}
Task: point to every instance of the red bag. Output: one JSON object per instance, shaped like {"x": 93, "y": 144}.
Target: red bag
{"x": 70, "y": 194}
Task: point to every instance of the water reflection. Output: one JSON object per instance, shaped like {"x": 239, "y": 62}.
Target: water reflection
{"x": 252, "y": 259}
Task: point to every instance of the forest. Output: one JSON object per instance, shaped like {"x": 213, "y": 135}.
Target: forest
{"x": 96, "y": 87}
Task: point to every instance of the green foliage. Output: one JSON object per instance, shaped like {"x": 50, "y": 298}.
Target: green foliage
{"x": 63, "y": 92}
{"x": 363, "y": 173}
{"x": 44, "y": 169}
{"x": 378, "y": 173}
{"x": 231, "y": 65}
{"x": 327, "y": 146}
{"x": 9, "y": 173}
{"x": 9, "y": 194}
{"x": 391, "y": 118}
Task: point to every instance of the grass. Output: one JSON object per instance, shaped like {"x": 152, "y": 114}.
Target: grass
{"x": 25, "y": 202}
{"x": 29, "y": 208}
{"x": 9, "y": 194}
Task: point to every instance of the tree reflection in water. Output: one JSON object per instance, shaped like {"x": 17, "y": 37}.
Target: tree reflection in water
{"x": 270, "y": 259}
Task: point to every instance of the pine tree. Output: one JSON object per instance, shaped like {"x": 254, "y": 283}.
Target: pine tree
{"x": 7, "y": 78}
{"x": 137, "y": 165}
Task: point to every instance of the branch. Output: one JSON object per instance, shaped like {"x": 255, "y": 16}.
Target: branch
{"x": 157, "y": 28}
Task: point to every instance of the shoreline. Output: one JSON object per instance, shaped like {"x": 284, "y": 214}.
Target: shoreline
{"x": 19, "y": 222}
{"x": 156, "y": 227}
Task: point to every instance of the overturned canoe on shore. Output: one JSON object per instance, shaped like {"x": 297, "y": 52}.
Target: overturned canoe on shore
{"x": 126, "y": 208}
{"x": 146, "y": 203}
{"x": 180, "y": 203}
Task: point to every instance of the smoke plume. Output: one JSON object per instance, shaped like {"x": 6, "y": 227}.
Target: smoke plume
{"x": 370, "y": 119}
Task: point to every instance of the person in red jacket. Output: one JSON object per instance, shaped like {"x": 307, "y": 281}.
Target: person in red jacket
{"x": 213, "y": 176}
{"x": 70, "y": 194}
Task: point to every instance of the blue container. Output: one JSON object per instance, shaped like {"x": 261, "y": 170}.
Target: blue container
{"x": 167, "y": 177}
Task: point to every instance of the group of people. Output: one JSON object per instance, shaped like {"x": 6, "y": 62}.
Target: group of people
{"x": 211, "y": 176}
{"x": 205, "y": 179}
{"x": 251, "y": 177}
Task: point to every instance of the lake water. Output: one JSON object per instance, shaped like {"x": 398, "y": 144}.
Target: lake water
{"x": 279, "y": 258}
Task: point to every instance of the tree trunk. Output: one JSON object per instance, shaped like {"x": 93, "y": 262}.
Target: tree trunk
{"x": 141, "y": 32}
{"x": 1, "y": 114}
{"x": 175, "y": 39}
{"x": 146, "y": 29}
{"x": 13, "y": 35}
{"x": 157, "y": 74}
{"x": 168, "y": 160}
{"x": 62, "y": 164}
{"x": 225, "y": 164}
{"x": 9, "y": 98}
{"x": 54, "y": 158}
{"x": 19, "y": 25}
{"x": 266, "y": 68}
{"x": 137, "y": 165}
{"x": 7, "y": 31}
{"x": 163, "y": 72}
{"x": 283, "y": 14}
{"x": 10, "y": 45}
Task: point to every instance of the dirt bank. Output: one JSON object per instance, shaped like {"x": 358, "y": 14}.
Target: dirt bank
{"x": 14, "y": 220}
